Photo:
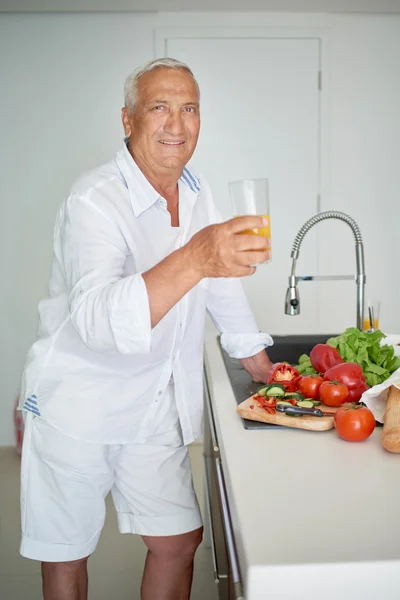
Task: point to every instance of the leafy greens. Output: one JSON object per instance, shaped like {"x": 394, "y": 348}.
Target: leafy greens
{"x": 377, "y": 362}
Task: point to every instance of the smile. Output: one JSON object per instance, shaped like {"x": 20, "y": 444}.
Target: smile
{"x": 171, "y": 143}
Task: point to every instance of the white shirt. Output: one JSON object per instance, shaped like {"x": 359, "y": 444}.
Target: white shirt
{"x": 98, "y": 371}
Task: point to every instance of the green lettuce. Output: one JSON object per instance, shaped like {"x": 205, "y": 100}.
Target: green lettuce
{"x": 377, "y": 362}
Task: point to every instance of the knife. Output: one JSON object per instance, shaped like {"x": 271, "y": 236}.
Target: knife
{"x": 294, "y": 411}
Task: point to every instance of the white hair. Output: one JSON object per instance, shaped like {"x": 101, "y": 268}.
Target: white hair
{"x": 131, "y": 82}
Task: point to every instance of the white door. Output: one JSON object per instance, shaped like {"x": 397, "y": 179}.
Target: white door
{"x": 260, "y": 118}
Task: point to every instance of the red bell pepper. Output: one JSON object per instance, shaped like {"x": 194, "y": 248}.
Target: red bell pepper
{"x": 323, "y": 357}
{"x": 286, "y": 375}
{"x": 352, "y": 376}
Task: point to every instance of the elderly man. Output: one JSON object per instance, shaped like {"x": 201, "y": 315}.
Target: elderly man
{"x": 112, "y": 388}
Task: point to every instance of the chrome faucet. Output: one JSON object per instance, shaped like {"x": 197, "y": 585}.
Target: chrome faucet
{"x": 292, "y": 302}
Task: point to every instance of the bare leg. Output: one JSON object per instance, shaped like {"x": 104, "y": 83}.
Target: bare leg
{"x": 65, "y": 580}
{"x": 168, "y": 570}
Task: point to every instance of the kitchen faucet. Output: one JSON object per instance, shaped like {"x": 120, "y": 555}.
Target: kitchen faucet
{"x": 292, "y": 302}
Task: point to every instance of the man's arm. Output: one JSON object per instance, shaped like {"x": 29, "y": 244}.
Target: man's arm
{"x": 113, "y": 312}
{"x": 241, "y": 338}
{"x": 215, "y": 251}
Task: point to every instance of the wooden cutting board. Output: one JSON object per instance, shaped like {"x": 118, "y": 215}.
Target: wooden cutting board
{"x": 303, "y": 422}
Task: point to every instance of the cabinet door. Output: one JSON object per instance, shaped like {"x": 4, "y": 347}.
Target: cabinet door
{"x": 260, "y": 118}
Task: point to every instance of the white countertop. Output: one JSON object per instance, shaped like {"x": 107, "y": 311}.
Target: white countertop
{"x": 314, "y": 516}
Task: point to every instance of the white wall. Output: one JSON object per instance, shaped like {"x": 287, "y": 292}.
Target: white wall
{"x": 62, "y": 90}
{"x": 59, "y": 114}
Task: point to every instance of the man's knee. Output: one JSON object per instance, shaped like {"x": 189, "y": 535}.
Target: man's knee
{"x": 69, "y": 566}
{"x": 175, "y": 546}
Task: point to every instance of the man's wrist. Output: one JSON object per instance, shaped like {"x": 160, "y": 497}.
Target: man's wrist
{"x": 192, "y": 265}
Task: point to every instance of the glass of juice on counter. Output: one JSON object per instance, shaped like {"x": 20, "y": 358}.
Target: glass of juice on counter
{"x": 376, "y": 305}
{"x": 251, "y": 197}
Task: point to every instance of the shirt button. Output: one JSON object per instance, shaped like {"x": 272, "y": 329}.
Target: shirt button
{"x": 159, "y": 393}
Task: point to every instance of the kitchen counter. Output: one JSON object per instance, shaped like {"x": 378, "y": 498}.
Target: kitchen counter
{"x": 313, "y": 516}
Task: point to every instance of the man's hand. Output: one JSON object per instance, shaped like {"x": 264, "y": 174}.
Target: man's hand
{"x": 258, "y": 366}
{"x": 219, "y": 250}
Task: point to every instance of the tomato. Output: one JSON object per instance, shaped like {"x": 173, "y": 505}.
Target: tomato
{"x": 309, "y": 386}
{"x": 323, "y": 357}
{"x": 351, "y": 375}
{"x": 355, "y": 423}
{"x": 333, "y": 393}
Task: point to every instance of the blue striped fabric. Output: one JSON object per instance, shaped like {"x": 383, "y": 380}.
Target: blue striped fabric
{"x": 191, "y": 180}
{"x": 32, "y": 405}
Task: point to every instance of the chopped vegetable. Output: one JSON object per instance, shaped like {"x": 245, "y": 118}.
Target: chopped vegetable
{"x": 273, "y": 389}
{"x": 323, "y": 357}
{"x": 377, "y": 362}
{"x": 276, "y": 390}
{"x": 286, "y": 375}
{"x": 294, "y": 396}
{"x": 306, "y": 404}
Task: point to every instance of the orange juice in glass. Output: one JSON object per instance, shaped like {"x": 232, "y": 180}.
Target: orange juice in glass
{"x": 376, "y": 306}
{"x": 251, "y": 197}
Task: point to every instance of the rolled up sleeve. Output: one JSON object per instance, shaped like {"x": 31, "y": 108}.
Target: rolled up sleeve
{"x": 108, "y": 310}
{"x": 231, "y": 313}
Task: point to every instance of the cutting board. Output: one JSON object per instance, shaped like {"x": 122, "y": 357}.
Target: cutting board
{"x": 303, "y": 422}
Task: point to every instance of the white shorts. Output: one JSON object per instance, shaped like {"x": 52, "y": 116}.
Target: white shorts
{"x": 64, "y": 483}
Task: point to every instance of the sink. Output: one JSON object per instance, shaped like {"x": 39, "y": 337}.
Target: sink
{"x": 286, "y": 348}
{"x": 289, "y": 348}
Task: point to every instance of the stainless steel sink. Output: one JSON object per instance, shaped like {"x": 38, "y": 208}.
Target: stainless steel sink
{"x": 287, "y": 348}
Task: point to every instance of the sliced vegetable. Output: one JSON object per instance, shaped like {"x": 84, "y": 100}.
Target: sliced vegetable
{"x": 284, "y": 402}
{"x": 309, "y": 385}
{"x": 284, "y": 374}
{"x": 351, "y": 375}
{"x": 274, "y": 389}
{"x": 333, "y": 393}
{"x": 294, "y": 396}
{"x": 306, "y": 404}
{"x": 323, "y": 357}
{"x": 355, "y": 423}
{"x": 262, "y": 390}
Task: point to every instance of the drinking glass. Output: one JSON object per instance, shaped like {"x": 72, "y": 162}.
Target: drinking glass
{"x": 376, "y": 305}
{"x": 251, "y": 197}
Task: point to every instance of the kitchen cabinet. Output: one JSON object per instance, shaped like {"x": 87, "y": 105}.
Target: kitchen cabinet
{"x": 219, "y": 524}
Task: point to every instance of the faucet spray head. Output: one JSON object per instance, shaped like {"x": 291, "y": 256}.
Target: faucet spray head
{"x": 292, "y": 301}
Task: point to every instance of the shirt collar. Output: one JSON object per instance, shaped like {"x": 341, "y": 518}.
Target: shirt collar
{"x": 141, "y": 193}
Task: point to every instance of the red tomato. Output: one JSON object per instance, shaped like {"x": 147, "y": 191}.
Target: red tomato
{"x": 354, "y": 423}
{"x": 309, "y": 386}
{"x": 351, "y": 375}
{"x": 333, "y": 393}
{"x": 323, "y": 357}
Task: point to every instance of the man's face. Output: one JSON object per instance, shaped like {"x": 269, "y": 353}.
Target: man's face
{"x": 164, "y": 127}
